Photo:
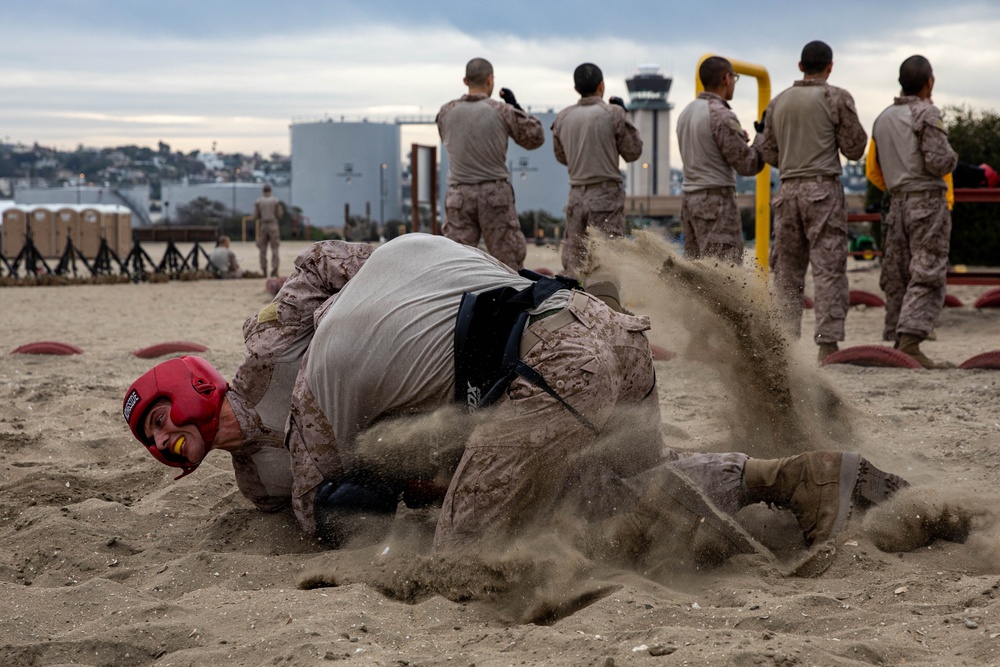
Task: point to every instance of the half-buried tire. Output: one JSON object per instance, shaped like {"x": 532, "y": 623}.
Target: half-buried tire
{"x": 661, "y": 353}
{"x": 170, "y": 347}
{"x": 952, "y": 301}
{"x": 872, "y": 355}
{"x": 47, "y": 347}
{"x": 274, "y": 285}
{"x": 862, "y": 298}
{"x": 987, "y": 360}
{"x": 990, "y": 299}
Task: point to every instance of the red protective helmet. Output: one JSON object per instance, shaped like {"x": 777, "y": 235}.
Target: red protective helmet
{"x": 195, "y": 390}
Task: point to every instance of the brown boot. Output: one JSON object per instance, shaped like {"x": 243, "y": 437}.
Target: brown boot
{"x": 910, "y": 344}
{"x": 820, "y": 488}
{"x": 825, "y": 350}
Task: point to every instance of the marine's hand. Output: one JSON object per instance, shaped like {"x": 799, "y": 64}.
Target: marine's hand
{"x": 507, "y": 95}
{"x": 759, "y": 124}
{"x": 614, "y": 99}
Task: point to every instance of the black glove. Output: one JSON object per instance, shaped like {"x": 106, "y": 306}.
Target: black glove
{"x": 759, "y": 125}
{"x": 350, "y": 512}
{"x": 614, "y": 99}
{"x": 507, "y": 95}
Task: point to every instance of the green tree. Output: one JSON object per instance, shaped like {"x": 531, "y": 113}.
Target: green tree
{"x": 975, "y": 136}
{"x": 201, "y": 211}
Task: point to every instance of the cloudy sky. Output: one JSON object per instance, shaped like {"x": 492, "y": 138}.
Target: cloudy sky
{"x": 194, "y": 74}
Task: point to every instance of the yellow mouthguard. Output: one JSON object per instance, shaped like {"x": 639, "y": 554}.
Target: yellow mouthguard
{"x": 177, "y": 446}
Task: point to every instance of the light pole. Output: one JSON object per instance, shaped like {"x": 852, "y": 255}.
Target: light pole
{"x": 79, "y": 184}
{"x": 649, "y": 187}
{"x": 236, "y": 175}
{"x": 381, "y": 194}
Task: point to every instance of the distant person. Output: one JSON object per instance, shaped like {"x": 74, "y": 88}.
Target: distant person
{"x": 807, "y": 127}
{"x": 913, "y": 154}
{"x": 223, "y": 260}
{"x": 712, "y": 146}
{"x": 589, "y": 138}
{"x": 268, "y": 211}
{"x": 480, "y": 199}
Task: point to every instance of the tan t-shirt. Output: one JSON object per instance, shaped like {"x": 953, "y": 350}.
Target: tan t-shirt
{"x": 268, "y": 209}
{"x": 589, "y": 137}
{"x": 806, "y": 128}
{"x": 912, "y": 146}
{"x": 385, "y": 346}
{"x": 475, "y": 128}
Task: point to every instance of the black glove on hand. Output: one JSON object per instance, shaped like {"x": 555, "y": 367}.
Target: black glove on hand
{"x": 350, "y": 512}
{"x": 507, "y": 95}
{"x": 759, "y": 125}
{"x": 614, "y": 99}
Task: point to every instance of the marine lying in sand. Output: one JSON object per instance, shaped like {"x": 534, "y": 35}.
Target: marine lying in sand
{"x": 432, "y": 362}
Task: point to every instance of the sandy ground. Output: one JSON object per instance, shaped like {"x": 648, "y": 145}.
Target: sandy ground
{"x": 105, "y": 560}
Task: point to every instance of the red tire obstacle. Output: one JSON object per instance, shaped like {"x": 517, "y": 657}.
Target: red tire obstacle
{"x": 862, "y": 298}
{"x": 169, "y": 347}
{"x": 952, "y": 301}
{"x": 989, "y": 299}
{"x": 661, "y": 353}
{"x": 872, "y": 355}
{"x": 274, "y": 284}
{"x": 987, "y": 360}
{"x": 47, "y": 347}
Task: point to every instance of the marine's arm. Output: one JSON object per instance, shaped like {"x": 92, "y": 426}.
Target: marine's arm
{"x": 732, "y": 140}
{"x": 851, "y": 136}
{"x": 626, "y": 134}
{"x": 939, "y": 157}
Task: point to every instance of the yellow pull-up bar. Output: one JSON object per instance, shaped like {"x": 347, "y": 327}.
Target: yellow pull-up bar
{"x": 763, "y": 197}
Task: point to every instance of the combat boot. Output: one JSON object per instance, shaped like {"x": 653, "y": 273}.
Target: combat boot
{"x": 910, "y": 344}
{"x": 825, "y": 350}
{"x": 820, "y": 488}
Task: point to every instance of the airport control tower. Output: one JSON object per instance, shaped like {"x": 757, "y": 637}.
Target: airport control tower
{"x": 650, "y": 110}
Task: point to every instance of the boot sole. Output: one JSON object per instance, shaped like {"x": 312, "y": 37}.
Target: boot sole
{"x": 862, "y": 486}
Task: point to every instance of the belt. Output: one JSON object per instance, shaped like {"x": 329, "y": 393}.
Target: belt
{"x": 913, "y": 194}
{"x": 551, "y": 320}
{"x": 725, "y": 192}
{"x": 820, "y": 178}
{"x": 602, "y": 184}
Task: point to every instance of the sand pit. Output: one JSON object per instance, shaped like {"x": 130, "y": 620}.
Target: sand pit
{"x": 105, "y": 560}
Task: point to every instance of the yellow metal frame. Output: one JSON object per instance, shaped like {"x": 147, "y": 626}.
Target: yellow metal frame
{"x": 763, "y": 195}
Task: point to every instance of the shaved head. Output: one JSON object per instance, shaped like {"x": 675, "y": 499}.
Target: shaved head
{"x": 914, "y": 74}
{"x": 477, "y": 71}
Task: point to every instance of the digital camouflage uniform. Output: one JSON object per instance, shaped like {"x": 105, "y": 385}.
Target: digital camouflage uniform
{"x": 223, "y": 260}
{"x": 480, "y": 199}
{"x": 914, "y": 154}
{"x": 712, "y": 145}
{"x": 268, "y": 211}
{"x": 588, "y": 138}
{"x": 807, "y": 126}
{"x": 592, "y": 356}
{"x": 276, "y": 339}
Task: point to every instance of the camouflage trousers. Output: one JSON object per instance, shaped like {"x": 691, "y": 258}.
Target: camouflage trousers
{"x": 600, "y": 206}
{"x": 533, "y": 457}
{"x": 269, "y": 236}
{"x": 711, "y": 224}
{"x": 810, "y": 227}
{"x": 915, "y": 262}
{"x": 486, "y": 210}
